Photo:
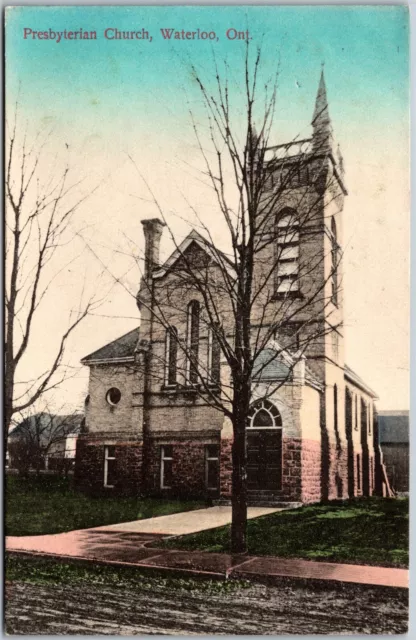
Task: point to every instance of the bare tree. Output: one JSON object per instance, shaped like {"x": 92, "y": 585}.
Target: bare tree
{"x": 260, "y": 302}
{"x": 250, "y": 304}
{"x": 41, "y": 437}
{"x": 40, "y": 206}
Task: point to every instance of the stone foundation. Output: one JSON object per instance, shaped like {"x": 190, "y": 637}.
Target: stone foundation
{"x": 188, "y": 469}
{"x": 311, "y": 471}
{"x": 89, "y": 467}
{"x": 226, "y": 468}
{"x": 291, "y": 470}
{"x": 138, "y": 469}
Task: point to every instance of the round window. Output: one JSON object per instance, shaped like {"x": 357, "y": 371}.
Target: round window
{"x": 113, "y": 396}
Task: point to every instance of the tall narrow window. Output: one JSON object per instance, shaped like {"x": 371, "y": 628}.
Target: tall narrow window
{"x": 212, "y": 466}
{"x": 109, "y": 466}
{"x": 166, "y": 459}
{"x": 364, "y": 418}
{"x": 193, "y": 340}
{"x": 214, "y": 358}
{"x": 334, "y": 261}
{"x": 171, "y": 355}
{"x": 287, "y": 252}
{"x": 358, "y": 472}
{"x": 356, "y": 413}
{"x": 336, "y": 410}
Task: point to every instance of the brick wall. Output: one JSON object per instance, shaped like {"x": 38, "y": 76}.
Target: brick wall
{"x": 101, "y": 416}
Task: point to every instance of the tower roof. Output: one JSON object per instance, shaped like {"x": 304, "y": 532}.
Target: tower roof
{"x": 321, "y": 122}
{"x": 321, "y": 114}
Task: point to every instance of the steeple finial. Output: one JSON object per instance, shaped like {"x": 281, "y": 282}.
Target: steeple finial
{"x": 321, "y": 122}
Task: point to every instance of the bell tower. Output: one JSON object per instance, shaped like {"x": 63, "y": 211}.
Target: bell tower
{"x": 304, "y": 242}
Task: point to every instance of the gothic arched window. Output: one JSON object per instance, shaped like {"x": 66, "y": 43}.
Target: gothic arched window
{"x": 171, "y": 355}
{"x": 193, "y": 340}
{"x": 264, "y": 415}
{"x": 287, "y": 223}
{"x": 334, "y": 261}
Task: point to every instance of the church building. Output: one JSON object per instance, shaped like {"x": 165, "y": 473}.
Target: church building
{"x": 149, "y": 430}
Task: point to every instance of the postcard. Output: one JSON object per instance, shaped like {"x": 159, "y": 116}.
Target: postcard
{"x": 207, "y": 319}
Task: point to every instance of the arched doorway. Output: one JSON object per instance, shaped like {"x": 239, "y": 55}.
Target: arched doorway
{"x": 264, "y": 447}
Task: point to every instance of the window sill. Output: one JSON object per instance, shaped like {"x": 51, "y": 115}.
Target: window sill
{"x": 169, "y": 387}
{"x": 287, "y": 294}
{"x": 193, "y": 388}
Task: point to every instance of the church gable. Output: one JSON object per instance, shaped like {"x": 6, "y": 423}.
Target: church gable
{"x": 194, "y": 251}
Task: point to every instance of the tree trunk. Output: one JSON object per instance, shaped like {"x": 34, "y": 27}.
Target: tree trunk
{"x": 8, "y": 398}
{"x": 241, "y": 403}
{"x": 239, "y": 492}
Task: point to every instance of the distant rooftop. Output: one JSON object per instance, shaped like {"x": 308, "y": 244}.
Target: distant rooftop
{"x": 393, "y": 427}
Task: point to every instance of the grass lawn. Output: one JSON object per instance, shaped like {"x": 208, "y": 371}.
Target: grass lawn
{"x": 48, "y": 504}
{"x": 365, "y": 531}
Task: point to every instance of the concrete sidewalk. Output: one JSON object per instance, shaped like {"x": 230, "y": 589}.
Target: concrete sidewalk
{"x": 180, "y": 524}
{"x": 129, "y": 549}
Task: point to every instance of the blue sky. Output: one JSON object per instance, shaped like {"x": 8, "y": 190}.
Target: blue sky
{"x": 365, "y": 50}
{"x": 111, "y": 100}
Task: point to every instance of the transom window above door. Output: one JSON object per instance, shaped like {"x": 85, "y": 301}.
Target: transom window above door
{"x": 264, "y": 415}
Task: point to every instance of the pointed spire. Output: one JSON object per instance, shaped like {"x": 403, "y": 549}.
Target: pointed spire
{"x": 321, "y": 122}
{"x": 340, "y": 161}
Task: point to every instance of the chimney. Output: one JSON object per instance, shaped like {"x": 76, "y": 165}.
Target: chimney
{"x": 152, "y": 229}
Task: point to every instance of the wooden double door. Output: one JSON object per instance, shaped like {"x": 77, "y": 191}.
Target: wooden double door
{"x": 264, "y": 459}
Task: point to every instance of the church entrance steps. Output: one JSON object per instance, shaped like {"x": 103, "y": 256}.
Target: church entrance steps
{"x": 262, "y": 501}
{"x": 263, "y": 498}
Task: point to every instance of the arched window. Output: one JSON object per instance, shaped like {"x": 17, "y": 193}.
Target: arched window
{"x": 193, "y": 340}
{"x": 334, "y": 260}
{"x": 171, "y": 355}
{"x": 264, "y": 415}
{"x": 287, "y": 223}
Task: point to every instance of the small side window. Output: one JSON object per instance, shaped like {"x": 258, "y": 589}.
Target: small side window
{"x": 212, "y": 466}
{"x": 109, "y": 466}
{"x": 166, "y": 460}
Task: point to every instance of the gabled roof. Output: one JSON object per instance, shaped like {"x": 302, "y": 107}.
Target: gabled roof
{"x": 204, "y": 244}
{"x": 350, "y": 375}
{"x": 268, "y": 366}
{"x": 120, "y": 350}
{"x": 280, "y": 367}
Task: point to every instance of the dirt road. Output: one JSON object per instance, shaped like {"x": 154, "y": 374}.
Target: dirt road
{"x": 98, "y": 609}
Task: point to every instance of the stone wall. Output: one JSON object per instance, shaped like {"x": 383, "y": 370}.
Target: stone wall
{"x": 188, "y": 468}
{"x": 226, "y": 468}
{"x": 89, "y": 467}
{"x": 311, "y": 471}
